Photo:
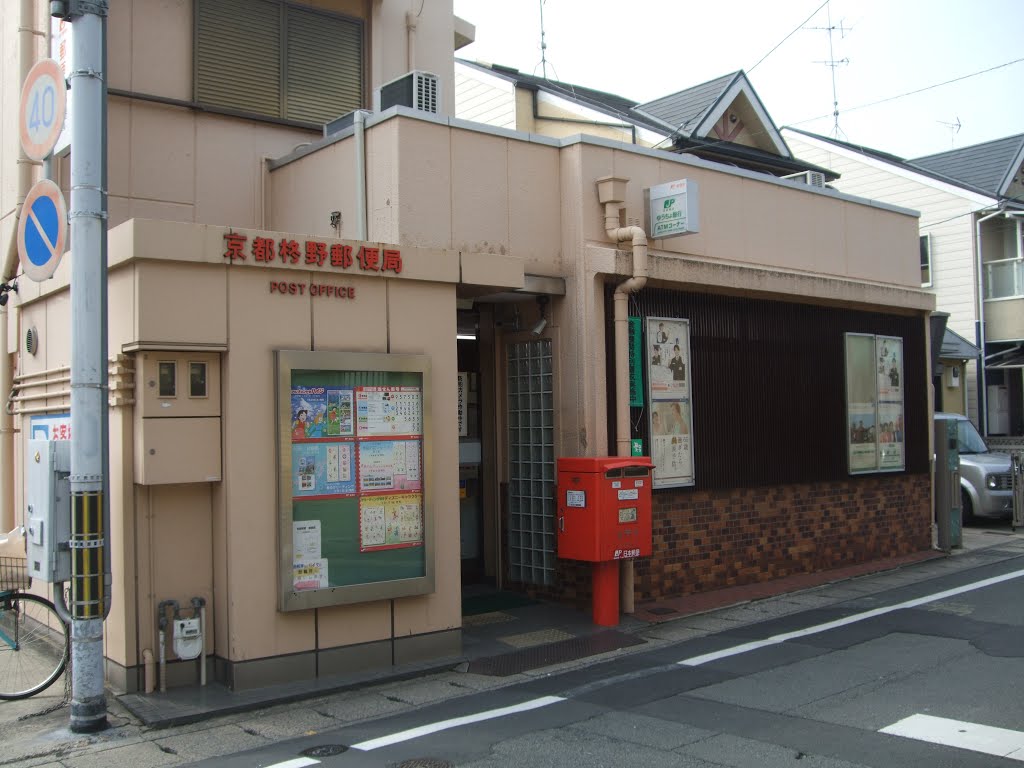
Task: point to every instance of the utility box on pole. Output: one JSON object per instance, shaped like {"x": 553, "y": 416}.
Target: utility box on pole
{"x": 48, "y": 509}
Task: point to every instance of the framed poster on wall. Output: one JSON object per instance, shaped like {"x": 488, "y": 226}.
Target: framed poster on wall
{"x": 355, "y": 519}
{"x": 874, "y": 403}
{"x": 668, "y": 388}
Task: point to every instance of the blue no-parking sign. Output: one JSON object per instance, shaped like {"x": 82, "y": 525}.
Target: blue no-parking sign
{"x": 42, "y": 230}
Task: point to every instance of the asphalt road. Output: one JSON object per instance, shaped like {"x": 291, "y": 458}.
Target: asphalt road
{"x": 928, "y": 674}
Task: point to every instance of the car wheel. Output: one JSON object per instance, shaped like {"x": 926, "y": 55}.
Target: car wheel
{"x": 966, "y": 510}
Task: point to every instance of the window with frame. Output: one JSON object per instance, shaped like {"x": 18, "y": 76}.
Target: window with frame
{"x": 926, "y": 261}
{"x": 277, "y": 59}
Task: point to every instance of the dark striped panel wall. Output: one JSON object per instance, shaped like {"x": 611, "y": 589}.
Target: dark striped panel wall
{"x": 768, "y": 386}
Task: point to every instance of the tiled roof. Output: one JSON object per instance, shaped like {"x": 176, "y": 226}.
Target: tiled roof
{"x": 611, "y": 104}
{"x": 983, "y": 166}
{"x": 685, "y": 109}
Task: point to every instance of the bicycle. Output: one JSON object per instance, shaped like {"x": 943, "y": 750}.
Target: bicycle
{"x": 33, "y": 638}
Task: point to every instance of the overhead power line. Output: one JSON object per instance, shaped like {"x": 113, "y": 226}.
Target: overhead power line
{"x": 919, "y": 90}
{"x": 795, "y": 30}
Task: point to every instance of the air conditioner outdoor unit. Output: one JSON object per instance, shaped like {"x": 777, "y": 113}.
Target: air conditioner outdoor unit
{"x": 811, "y": 178}
{"x": 416, "y": 90}
{"x": 339, "y": 124}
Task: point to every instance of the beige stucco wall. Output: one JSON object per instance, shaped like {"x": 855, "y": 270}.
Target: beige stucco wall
{"x": 535, "y": 200}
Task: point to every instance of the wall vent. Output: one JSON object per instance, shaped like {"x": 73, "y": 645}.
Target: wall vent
{"x": 811, "y": 178}
{"x": 416, "y": 90}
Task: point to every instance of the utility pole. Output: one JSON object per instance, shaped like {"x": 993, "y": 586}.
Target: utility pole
{"x": 90, "y": 518}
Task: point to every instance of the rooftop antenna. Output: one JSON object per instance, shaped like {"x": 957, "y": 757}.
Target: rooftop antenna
{"x": 954, "y": 129}
{"x": 543, "y": 45}
{"x": 833, "y": 63}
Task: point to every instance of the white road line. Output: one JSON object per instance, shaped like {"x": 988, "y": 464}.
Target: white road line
{"x": 444, "y": 725}
{"x": 696, "y": 661}
{"x": 298, "y": 762}
{"x": 957, "y": 733}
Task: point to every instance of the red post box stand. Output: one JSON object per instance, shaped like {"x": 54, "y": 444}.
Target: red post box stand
{"x": 605, "y": 600}
{"x": 604, "y": 516}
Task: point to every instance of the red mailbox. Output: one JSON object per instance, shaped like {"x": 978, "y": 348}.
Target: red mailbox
{"x": 604, "y": 508}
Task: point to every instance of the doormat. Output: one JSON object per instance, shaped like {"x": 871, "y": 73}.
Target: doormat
{"x": 494, "y": 601}
{"x": 513, "y": 663}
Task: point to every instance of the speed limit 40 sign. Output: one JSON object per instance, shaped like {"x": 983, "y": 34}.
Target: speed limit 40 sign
{"x": 41, "y": 115}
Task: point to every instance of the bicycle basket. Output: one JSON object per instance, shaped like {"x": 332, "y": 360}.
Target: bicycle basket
{"x": 14, "y": 573}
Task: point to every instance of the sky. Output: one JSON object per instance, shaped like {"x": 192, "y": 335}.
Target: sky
{"x": 902, "y": 53}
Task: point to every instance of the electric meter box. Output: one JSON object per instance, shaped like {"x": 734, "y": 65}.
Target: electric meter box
{"x": 48, "y": 509}
{"x": 604, "y": 508}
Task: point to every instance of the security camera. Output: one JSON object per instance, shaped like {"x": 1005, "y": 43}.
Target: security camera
{"x": 3, "y": 298}
{"x": 539, "y": 326}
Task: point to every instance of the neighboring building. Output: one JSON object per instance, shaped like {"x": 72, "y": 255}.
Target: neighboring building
{"x": 343, "y": 365}
{"x": 963, "y": 195}
{"x": 721, "y": 120}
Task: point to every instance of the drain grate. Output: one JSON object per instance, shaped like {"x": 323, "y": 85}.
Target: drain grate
{"x": 424, "y": 762}
{"x": 513, "y": 663}
{"x": 324, "y": 750}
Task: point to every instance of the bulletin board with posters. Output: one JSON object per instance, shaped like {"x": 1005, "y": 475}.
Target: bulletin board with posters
{"x": 355, "y": 514}
{"x": 670, "y": 414}
{"x": 874, "y": 403}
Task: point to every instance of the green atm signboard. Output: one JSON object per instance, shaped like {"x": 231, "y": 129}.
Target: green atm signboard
{"x": 636, "y": 384}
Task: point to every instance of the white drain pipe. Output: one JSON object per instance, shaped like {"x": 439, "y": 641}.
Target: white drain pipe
{"x": 612, "y": 193}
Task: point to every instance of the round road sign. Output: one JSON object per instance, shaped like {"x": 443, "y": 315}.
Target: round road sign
{"x": 42, "y": 230}
{"x": 41, "y": 114}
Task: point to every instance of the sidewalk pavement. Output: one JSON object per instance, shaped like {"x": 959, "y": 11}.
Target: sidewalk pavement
{"x": 500, "y": 648}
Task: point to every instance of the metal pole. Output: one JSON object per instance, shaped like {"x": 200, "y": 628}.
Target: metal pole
{"x": 89, "y": 427}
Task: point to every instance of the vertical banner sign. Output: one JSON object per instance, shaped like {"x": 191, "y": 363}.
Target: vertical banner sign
{"x": 636, "y": 385}
{"x": 671, "y": 416}
{"x": 463, "y": 384}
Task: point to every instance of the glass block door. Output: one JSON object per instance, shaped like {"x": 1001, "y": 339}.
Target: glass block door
{"x": 531, "y": 450}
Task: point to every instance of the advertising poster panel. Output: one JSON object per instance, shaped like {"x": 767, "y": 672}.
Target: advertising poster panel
{"x": 874, "y": 403}
{"x": 670, "y": 414}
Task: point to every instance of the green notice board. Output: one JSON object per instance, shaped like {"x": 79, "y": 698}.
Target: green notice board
{"x": 354, "y": 514}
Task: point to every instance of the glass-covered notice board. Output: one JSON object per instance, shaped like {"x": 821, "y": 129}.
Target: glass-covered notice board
{"x": 355, "y": 520}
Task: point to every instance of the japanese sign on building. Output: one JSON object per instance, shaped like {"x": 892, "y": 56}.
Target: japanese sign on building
{"x": 672, "y": 209}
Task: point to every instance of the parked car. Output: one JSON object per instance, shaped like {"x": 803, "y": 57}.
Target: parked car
{"x": 986, "y": 483}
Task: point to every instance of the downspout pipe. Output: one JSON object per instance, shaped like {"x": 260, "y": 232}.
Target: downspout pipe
{"x": 612, "y": 194}
{"x": 360, "y": 136}
{"x": 26, "y": 49}
{"x": 411, "y": 22}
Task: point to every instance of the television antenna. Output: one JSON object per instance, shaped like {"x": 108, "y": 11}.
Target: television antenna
{"x": 954, "y": 129}
{"x": 833, "y": 64}
{"x": 543, "y": 45}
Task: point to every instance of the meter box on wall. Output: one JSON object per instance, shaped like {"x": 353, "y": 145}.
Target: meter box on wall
{"x": 48, "y": 509}
{"x": 604, "y": 508}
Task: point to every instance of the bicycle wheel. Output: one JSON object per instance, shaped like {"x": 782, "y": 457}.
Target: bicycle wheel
{"x": 33, "y": 645}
